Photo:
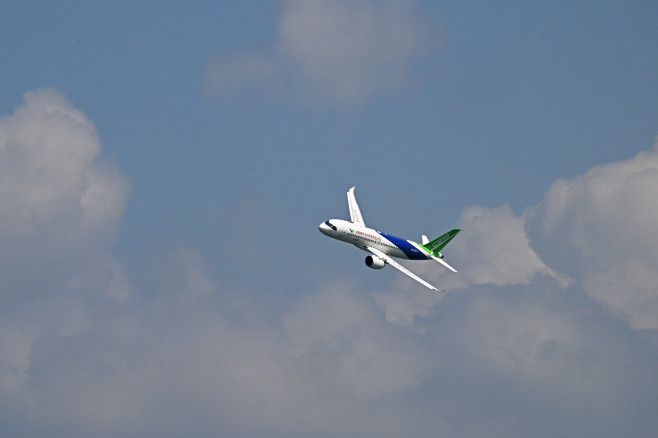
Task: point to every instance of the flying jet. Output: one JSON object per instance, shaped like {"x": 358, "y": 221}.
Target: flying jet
{"x": 383, "y": 247}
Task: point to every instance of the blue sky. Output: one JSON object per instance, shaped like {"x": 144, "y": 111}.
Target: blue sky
{"x": 164, "y": 167}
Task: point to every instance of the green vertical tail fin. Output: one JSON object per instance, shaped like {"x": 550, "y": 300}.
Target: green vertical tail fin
{"x": 439, "y": 243}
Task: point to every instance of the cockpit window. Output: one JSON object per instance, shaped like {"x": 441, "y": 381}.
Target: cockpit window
{"x": 330, "y": 225}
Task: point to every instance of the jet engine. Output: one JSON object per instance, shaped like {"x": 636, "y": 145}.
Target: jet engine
{"x": 374, "y": 262}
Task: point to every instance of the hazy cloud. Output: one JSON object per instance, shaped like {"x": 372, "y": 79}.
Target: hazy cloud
{"x": 494, "y": 248}
{"x": 356, "y": 349}
{"x": 56, "y": 193}
{"x": 595, "y": 232}
{"x": 241, "y": 73}
{"x": 600, "y": 229}
{"x": 562, "y": 357}
{"x": 60, "y": 204}
{"x": 331, "y": 52}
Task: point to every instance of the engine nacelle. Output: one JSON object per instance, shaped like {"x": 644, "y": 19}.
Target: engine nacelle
{"x": 374, "y": 262}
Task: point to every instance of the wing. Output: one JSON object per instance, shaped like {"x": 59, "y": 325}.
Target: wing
{"x": 401, "y": 268}
{"x": 355, "y": 213}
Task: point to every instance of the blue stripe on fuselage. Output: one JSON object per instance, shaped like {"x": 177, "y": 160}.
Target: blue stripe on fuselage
{"x": 407, "y": 248}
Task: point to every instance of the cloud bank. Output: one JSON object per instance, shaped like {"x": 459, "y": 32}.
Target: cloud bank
{"x": 600, "y": 230}
{"x": 328, "y": 53}
{"x": 595, "y": 232}
{"x": 60, "y": 202}
{"x": 51, "y": 179}
{"x": 513, "y": 349}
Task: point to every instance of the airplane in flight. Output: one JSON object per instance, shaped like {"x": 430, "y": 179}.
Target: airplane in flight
{"x": 383, "y": 247}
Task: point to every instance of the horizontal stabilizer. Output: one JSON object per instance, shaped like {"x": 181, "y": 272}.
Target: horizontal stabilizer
{"x": 444, "y": 263}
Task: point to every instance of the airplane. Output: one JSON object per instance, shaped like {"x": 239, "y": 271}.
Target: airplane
{"x": 383, "y": 247}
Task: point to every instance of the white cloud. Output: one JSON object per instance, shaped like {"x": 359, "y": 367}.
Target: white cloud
{"x": 179, "y": 362}
{"x": 351, "y": 51}
{"x": 404, "y": 306}
{"x": 55, "y": 192}
{"x": 555, "y": 353}
{"x": 494, "y": 248}
{"x": 60, "y": 204}
{"x": 357, "y": 353}
{"x": 328, "y": 52}
{"x": 600, "y": 229}
{"x": 596, "y": 232}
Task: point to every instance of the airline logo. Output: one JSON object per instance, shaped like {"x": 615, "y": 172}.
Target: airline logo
{"x": 367, "y": 235}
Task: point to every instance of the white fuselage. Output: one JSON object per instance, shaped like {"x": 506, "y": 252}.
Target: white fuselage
{"x": 363, "y": 237}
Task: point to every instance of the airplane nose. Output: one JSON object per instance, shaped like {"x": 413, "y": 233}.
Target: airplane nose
{"x": 324, "y": 229}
